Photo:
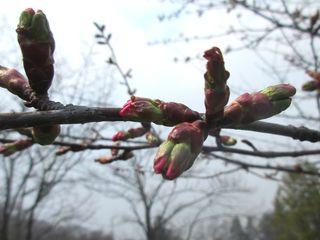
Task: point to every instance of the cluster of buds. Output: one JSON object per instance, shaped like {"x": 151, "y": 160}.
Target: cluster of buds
{"x": 314, "y": 84}
{"x": 131, "y": 133}
{"x": 178, "y": 153}
{"x": 8, "y": 149}
{"x": 216, "y": 90}
{"x": 248, "y": 108}
{"x": 165, "y": 113}
{"x": 37, "y": 46}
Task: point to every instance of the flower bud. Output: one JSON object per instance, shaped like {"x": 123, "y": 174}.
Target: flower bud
{"x": 131, "y": 133}
{"x": 248, "y": 108}
{"x": 152, "y": 139}
{"x": 148, "y": 110}
{"x": 127, "y": 154}
{"x": 216, "y": 90}
{"x": 279, "y": 92}
{"x": 115, "y": 151}
{"x": 37, "y": 46}
{"x": 311, "y": 86}
{"x": 182, "y": 147}
{"x": 120, "y": 136}
{"x": 228, "y": 141}
{"x": 15, "y": 82}
{"x": 63, "y": 150}
{"x": 8, "y": 149}
{"x": 45, "y": 135}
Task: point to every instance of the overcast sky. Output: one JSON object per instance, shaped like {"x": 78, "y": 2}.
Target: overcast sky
{"x": 133, "y": 25}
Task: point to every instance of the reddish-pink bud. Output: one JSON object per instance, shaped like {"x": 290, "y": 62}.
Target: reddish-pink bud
{"x": 119, "y": 136}
{"x": 131, "y": 133}
{"x": 30, "y": 11}
{"x": 15, "y": 82}
{"x": 148, "y": 110}
{"x": 266, "y": 103}
{"x": 8, "y": 149}
{"x": 160, "y": 163}
{"x": 62, "y": 150}
{"x": 216, "y": 90}
{"x": 227, "y": 140}
{"x": 115, "y": 151}
{"x": 182, "y": 147}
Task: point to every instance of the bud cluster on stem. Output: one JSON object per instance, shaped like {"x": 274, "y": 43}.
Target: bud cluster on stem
{"x": 178, "y": 153}
{"x": 184, "y": 143}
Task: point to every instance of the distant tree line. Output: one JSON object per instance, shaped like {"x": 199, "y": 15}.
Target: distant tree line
{"x": 49, "y": 231}
{"x": 296, "y": 214}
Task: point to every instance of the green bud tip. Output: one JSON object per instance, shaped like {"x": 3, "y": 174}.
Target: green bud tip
{"x": 311, "y": 86}
{"x": 26, "y": 18}
{"x": 179, "y": 160}
{"x": 228, "y": 141}
{"x": 34, "y": 24}
{"x": 279, "y": 92}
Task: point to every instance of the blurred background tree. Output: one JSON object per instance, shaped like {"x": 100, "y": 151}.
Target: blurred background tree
{"x": 34, "y": 178}
{"x": 297, "y": 207}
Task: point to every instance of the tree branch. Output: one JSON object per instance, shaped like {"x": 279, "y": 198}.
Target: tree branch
{"x": 79, "y": 114}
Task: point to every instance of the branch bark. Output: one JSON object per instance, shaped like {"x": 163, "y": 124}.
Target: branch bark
{"x": 80, "y": 114}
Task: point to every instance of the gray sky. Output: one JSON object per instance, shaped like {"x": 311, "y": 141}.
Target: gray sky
{"x": 134, "y": 24}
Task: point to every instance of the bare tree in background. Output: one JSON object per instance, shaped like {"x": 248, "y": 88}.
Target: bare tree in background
{"x": 184, "y": 143}
{"x": 284, "y": 35}
{"x": 29, "y": 181}
{"x": 35, "y": 183}
{"x": 162, "y": 209}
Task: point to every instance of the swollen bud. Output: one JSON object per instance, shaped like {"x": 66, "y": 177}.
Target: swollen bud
{"x": 131, "y": 133}
{"x": 8, "y": 149}
{"x": 165, "y": 113}
{"x": 15, "y": 82}
{"x": 37, "y": 46}
{"x": 248, "y": 108}
{"x": 228, "y": 141}
{"x": 311, "y": 86}
{"x": 120, "y": 136}
{"x": 45, "y": 135}
{"x": 152, "y": 139}
{"x": 216, "y": 90}
{"x": 178, "y": 153}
